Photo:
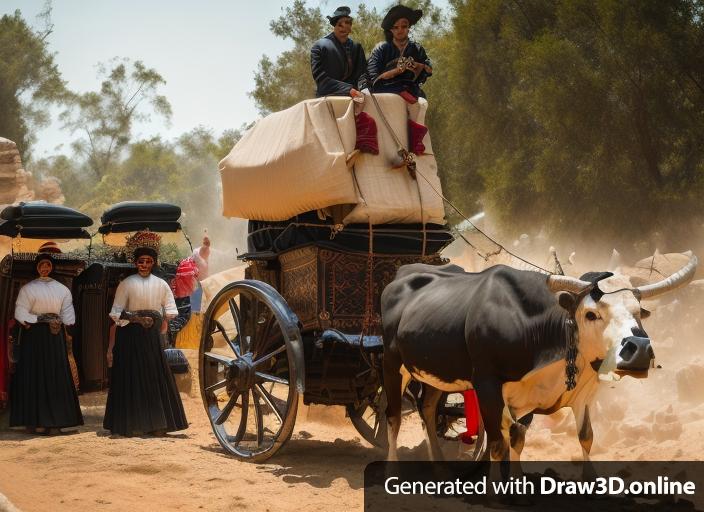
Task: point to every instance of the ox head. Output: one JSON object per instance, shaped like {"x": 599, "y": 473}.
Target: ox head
{"x": 608, "y": 316}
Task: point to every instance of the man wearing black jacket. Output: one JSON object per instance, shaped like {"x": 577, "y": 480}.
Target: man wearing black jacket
{"x": 338, "y": 63}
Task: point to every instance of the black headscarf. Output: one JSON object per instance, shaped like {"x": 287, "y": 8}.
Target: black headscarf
{"x": 141, "y": 251}
{"x": 41, "y": 257}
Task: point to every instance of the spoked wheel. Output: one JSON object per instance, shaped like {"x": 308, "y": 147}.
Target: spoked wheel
{"x": 451, "y": 424}
{"x": 369, "y": 418}
{"x": 250, "y": 356}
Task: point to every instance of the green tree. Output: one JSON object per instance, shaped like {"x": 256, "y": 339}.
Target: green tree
{"x": 287, "y": 80}
{"x": 128, "y": 94}
{"x": 29, "y": 79}
{"x": 584, "y": 117}
{"x": 184, "y": 172}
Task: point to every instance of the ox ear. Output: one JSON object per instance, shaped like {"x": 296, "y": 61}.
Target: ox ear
{"x": 644, "y": 313}
{"x": 567, "y": 301}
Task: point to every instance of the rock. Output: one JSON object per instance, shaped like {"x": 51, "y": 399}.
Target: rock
{"x": 607, "y": 439}
{"x": 667, "y": 431}
{"x": 17, "y": 184}
{"x": 666, "y": 425}
{"x": 611, "y": 410}
{"x": 690, "y": 383}
{"x": 634, "y": 431}
{"x": 666, "y": 416}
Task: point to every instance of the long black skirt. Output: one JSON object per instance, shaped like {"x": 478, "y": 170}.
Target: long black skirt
{"x": 143, "y": 397}
{"x": 42, "y": 393}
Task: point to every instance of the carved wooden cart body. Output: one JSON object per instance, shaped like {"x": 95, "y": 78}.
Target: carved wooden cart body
{"x": 305, "y": 323}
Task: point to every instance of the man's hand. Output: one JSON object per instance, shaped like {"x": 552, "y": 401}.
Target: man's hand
{"x": 109, "y": 358}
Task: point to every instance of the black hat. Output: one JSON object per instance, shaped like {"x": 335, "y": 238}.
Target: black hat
{"x": 400, "y": 11}
{"x": 340, "y": 12}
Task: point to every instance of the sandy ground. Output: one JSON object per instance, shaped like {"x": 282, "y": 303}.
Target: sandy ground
{"x": 321, "y": 468}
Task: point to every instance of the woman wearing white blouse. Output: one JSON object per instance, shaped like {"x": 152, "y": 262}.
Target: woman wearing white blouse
{"x": 143, "y": 398}
{"x": 42, "y": 394}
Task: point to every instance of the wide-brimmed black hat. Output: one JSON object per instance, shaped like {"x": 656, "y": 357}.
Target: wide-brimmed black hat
{"x": 340, "y": 12}
{"x": 400, "y": 11}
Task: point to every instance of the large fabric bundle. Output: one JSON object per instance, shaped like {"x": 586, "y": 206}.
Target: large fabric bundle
{"x": 302, "y": 159}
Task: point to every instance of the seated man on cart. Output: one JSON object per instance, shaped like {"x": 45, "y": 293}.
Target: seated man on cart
{"x": 337, "y": 62}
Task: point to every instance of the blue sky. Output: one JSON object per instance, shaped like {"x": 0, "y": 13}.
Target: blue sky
{"x": 207, "y": 51}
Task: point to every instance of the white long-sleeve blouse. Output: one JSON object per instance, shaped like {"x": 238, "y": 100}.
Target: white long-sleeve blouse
{"x": 41, "y": 296}
{"x": 136, "y": 293}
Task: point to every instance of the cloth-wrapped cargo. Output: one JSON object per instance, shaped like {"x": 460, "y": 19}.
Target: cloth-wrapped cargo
{"x": 303, "y": 159}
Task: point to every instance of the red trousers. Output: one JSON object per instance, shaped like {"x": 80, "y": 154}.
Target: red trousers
{"x": 471, "y": 414}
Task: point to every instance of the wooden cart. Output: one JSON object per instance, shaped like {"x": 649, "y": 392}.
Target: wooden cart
{"x": 305, "y": 324}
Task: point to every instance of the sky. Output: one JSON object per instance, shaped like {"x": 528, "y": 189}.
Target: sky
{"x": 207, "y": 51}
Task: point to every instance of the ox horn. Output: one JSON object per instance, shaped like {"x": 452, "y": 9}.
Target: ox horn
{"x": 676, "y": 280}
{"x": 567, "y": 284}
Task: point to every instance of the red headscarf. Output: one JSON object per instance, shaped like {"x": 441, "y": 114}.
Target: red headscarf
{"x": 185, "y": 281}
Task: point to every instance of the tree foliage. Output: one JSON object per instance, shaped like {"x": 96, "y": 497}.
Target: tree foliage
{"x": 29, "y": 79}
{"x": 585, "y": 117}
{"x": 105, "y": 118}
{"x": 287, "y": 80}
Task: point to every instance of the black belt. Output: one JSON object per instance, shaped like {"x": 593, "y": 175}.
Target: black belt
{"x": 53, "y": 320}
{"x": 147, "y": 318}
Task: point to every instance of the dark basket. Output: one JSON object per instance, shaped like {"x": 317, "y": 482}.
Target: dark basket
{"x": 176, "y": 360}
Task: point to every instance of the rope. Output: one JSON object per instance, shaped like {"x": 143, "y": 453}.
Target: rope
{"x": 484, "y": 256}
{"x": 369, "y": 298}
{"x": 409, "y": 161}
{"x": 422, "y": 218}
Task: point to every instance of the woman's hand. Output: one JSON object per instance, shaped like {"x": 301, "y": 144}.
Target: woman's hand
{"x": 109, "y": 358}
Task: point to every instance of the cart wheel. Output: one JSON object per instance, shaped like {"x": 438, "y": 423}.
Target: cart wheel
{"x": 369, "y": 418}
{"x": 249, "y": 362}
{"x": 450, "y": 425}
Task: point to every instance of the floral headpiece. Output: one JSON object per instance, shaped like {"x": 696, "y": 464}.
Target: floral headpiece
{"x": 145, "y": 242}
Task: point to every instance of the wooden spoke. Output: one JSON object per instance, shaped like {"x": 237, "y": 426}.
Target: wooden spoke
{"x": 267, "y": 357}
{"x": 217, "y": 385}
{"x": 231, "y": 343}
{"x": 258, "y": 419}
{"x": 242, "y": 429}
{"x": 225, "y": 412}
{"x": 263, "y": 338}
{"x": 268, "y": 400}
{"x": 227, "y": 361}
{"x": 271, "y": 378}
{"x": 236, "y": 315}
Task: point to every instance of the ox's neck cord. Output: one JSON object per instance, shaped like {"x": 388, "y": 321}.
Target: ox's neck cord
{"x": 571, "y": 355}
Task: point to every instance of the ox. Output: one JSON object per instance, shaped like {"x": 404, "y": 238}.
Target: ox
{"x": 526, "y": 342}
